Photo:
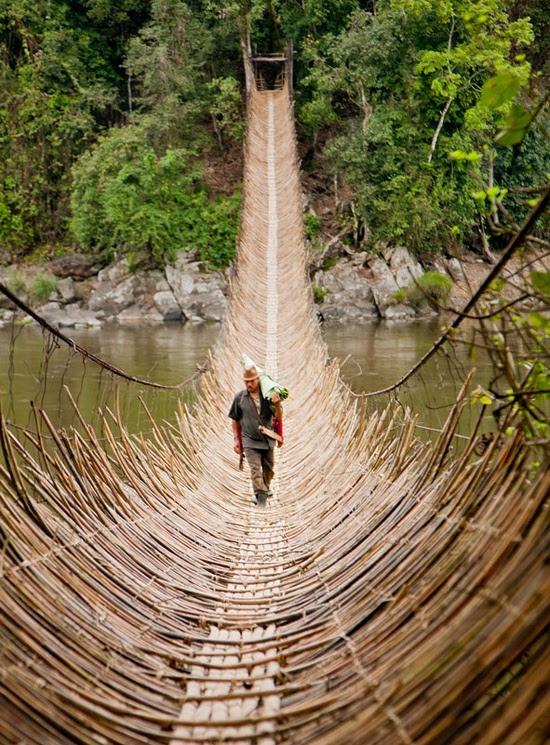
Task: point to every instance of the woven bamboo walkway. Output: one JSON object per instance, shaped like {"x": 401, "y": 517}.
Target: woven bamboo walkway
{"x": 387, "y": 595}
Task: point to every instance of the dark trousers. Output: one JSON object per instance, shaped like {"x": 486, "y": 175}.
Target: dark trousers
{"x": 261, "y": 468}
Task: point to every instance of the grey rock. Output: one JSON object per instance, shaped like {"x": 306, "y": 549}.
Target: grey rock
{"x": 439, "y": 267}
{"x": 382, "y": 284}
{"x": 455, "y": 270}
{"x": 197, "y": 293}
{"x": 67, "y": 290}
{"x": 393, "y": 312}
{"x": 359, "y": 259}
{"x": 131, "y": 314}
{"x": 161, "y": 285}
{"x": 349, "y": 297}
{"x": 332, "y": 313}
{"x": 214, "y": 312}
{"x": 167, "y": 306}
{"x": 404, "y": 267}
{"x": 75, "y": 266}
{"x": 68, "y": 315}
{"x": 50, "y": 307}
{"x": 6, "y": 316}
{"x": 113, "y": 297}
{"x": 114, "y": 272}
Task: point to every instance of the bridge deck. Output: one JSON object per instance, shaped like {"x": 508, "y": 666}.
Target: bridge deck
{"x": 386, "y": 595}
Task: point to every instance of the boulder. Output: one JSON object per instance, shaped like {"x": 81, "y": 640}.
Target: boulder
{"x": 198, "y": 294}
{"x": 6, "y": 316}
{"x": 398, "y": 311}
{"x": 67, "y": 290}
{"x": 130, "y": 314}
{"x": 75, "y": 266}
{"x": 456, "y": 270}
{"x": 167, "y": 306}
{"x": 68, "y": 315}
{"x": 382, "y": 284}
{"x": 112, "y": 297}
{"x": 404, "y": 267}
{"x": 348, "y": 295}
{"x": 331, "y": 313}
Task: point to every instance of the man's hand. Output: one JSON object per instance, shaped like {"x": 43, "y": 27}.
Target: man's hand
{"x": 237, "y": 446}
{"x": 276, "y": 401}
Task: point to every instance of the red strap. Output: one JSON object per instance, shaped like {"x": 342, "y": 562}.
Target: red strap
{"x": 277, "y": 426}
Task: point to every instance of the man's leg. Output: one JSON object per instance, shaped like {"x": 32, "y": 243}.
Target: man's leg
{"x": 254, "y": 458}
{"x": 268, "y": 460}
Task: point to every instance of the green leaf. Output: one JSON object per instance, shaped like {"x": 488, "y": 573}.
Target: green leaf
{"x": 515, "y": 127}
{"x": 493, "y": 191}
{"x": 499, "y": 89}
{"x": 480, "y": 196}
{"x": 480, "y": 395}
{"x": 541, "y": 282}
{"x": 538, "y": 321}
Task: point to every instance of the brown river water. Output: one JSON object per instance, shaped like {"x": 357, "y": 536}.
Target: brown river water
{"x": 372, "y": 356}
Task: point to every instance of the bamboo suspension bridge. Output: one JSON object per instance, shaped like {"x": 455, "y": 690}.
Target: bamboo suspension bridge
{"x": 387, "y": 594}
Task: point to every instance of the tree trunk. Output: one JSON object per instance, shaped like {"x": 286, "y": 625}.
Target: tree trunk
{"x": 438, "y": 129}
{"x": 247, "y": 52}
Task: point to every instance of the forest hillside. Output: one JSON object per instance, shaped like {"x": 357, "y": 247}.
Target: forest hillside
{"x": 122, "y": 122}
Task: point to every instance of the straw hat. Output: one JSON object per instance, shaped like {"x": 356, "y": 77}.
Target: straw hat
{"x": 250, "y": 373}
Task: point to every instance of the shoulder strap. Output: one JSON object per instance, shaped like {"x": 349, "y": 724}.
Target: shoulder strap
{"x": 260, "y": 425}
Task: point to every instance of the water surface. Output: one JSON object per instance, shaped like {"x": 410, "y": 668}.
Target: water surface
{"x": 372, "y": 356}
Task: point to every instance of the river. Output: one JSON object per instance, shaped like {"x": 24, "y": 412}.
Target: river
{"x": 373, "y": 356}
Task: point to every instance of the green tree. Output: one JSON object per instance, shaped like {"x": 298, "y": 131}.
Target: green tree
{"x": 399, "y": 89}
{"x": 128, "y": 197}
{"x": 56, "y": 87}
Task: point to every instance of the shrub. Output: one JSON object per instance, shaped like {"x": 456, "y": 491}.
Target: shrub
{"x": 211, "y": 227}
{"x": 42, "y": 287}
{"x": 16, "y": 283}
{"x": 431, "y": 286}
{"x": 319, "y": 294}
{"x": 400, "y": 295}
{"x": 128, "y": 198}
{"x": 312, "y": 226}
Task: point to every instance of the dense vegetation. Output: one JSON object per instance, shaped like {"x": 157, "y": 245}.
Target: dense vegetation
{"x": 110, "y": 107}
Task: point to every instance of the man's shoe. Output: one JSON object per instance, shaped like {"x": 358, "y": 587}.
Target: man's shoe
{"x": 261, "y": 498}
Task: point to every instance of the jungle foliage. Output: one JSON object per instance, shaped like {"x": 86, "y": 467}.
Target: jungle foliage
{"x": 108, "y": 108}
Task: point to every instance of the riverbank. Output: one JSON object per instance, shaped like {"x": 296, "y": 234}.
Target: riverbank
{"x": 74, "y": 291}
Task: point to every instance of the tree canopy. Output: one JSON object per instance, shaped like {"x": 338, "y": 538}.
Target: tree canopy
{"x": 109, "y": 107}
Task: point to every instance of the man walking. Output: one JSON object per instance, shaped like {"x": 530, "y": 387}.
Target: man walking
{"x": 251, "y": 413}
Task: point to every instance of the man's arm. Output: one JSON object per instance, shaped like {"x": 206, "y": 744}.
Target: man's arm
{"x": 237, "y": 437}
{"x": 276, "y": 401}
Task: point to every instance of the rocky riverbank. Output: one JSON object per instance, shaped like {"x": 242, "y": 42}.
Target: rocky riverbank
{"x": 75, "y": 291}
{"x": 82, "y": 293}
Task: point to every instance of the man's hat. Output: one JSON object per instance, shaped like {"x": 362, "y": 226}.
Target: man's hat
{"x": 250, "y": 373}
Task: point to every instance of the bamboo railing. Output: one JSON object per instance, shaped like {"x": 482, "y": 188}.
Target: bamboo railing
{"x": 388, "y": 593}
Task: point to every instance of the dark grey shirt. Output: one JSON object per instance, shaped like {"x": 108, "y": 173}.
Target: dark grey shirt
{"x": 243, "y": 410}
